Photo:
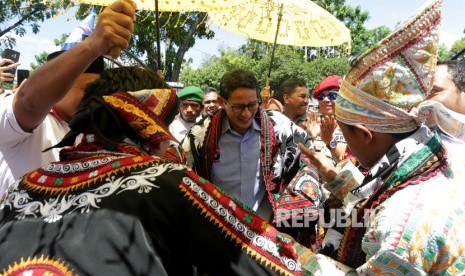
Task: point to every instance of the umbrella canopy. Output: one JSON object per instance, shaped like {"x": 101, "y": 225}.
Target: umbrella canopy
{"x": 302, "y": 23}
{"x": 169, "y": 5}
{"x": 173, "y": 6}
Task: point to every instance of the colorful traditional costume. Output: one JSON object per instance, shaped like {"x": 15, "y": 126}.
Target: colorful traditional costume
{"x": 125, "y": 212}
{"x": 409, "y": 206}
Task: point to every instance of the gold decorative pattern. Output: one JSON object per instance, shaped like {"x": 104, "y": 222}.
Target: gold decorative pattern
{"x": 42, "y": 266}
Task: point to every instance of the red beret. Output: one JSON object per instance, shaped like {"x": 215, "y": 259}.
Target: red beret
{"x": 328, "y": 83}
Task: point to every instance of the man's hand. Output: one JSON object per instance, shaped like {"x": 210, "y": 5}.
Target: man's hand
{"x": 324, "y": 165}
{"x": 5, "y": 65}
{"x": 114, "y": 29}
{"x": 312, "y": 125}
{"x": 328, "y": 125}
{"x": 265, "y": 95}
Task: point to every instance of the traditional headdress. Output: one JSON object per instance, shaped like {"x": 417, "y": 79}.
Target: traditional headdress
{"x": 386, "y": 82}
{"x": 145, "y": 112}
{"x": 142, "y": 116}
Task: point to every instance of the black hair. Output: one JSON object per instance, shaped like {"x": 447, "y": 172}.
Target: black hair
{"x": 210, "y": 90}
{"x": 456, "y": 68}
{"x": 123, "y": 79}
{"x": 238, "y": 78}
{"x": 288, "y": 86}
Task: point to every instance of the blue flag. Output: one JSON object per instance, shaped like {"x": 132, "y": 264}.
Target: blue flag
{"x": 83, "y": 30}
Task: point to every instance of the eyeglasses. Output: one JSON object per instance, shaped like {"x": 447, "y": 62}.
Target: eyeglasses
{"x": 332, "y": 95}
{"x": 238, "y": 108}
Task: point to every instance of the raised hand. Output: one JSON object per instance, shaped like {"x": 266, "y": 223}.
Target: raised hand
{"x": 114, "y": 29}
{"x": 328, "y": 125}
{"x": 265, "y": 95}
{"x": 312, "y": 125}
{"x": 324, "y": 165}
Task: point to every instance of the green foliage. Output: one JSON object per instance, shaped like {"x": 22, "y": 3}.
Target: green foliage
{"x": 458, "y": 46}
{"x": 320, "y": 68}
{"x": 212, "y": 71}
{"x": 443, "y": 53}
{"x": 16, "y": 15}
{"x": 354, "y": 19}
{"x": 178, "y": 31}
{"x": 288, "y": 62}
{"x": 41, "y": 58}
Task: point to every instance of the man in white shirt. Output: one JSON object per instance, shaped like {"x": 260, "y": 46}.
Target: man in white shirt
{"x": 190, "y": 106}
{"x": 36, "y": 116}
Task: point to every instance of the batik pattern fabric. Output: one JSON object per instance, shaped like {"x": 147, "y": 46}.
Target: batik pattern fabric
{"x": 290, "y": 180}
{"x": 348, "y": 178}
{"x": 124, "y": 212}
{"x": 438, "y": 117}
{"x": 406, "y": 215}
{"x": 395, "y": 75}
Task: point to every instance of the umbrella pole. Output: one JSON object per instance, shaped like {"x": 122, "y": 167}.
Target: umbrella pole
{"x": 157, "y": 26}
{"x": 280, "y": 15}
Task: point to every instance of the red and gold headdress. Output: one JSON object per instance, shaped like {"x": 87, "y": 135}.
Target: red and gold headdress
{"x": 145, "y": 112}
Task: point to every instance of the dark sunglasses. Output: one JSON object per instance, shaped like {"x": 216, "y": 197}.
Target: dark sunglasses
{"x": 331, "y": 96}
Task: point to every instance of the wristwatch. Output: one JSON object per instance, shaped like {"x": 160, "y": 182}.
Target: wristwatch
{"x": 332, "y": 144}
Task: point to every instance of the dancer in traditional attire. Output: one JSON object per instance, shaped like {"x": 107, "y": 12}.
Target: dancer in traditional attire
{"x": 414, "y": 200}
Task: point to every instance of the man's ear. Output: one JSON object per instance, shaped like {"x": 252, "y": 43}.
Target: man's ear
{"x": 364, "y": 134}
{"x": 286, "y": 98}
{"x": 221, "y": 101}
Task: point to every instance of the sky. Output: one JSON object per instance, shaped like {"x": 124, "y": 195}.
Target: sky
{"x": 387, "y": 12}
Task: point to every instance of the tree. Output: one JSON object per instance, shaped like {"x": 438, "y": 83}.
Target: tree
{"x": 212, "y": 70}
{"x": 288, "y": 63}
{"x": 41, "y": 58}
{"x": 15, "y": 16}
{"x": 458, "y": 47}
{"x": 354, "y": 19}
{"x": 179, "y": 32}
{"x": 443, "y": 53}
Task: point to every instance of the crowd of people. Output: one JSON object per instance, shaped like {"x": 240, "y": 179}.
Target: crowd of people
{"x": 111, "y": 171}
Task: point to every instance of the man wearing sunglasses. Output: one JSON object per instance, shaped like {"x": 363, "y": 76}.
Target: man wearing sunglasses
{"x": 323, "y": 129}
{"x": 252, "y": 153}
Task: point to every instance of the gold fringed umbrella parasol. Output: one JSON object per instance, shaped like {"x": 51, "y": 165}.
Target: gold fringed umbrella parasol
{"x": 286, "y": 22}
{"x": 170, "y": 6}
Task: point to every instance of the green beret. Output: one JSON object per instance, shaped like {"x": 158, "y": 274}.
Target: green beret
{"x": 192, "y": 93}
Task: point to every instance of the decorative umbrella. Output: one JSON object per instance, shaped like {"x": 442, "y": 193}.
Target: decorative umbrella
{"x": 173, "y": 6}
{"x": 286, "y": 22}
{"x": 170, "y": 6}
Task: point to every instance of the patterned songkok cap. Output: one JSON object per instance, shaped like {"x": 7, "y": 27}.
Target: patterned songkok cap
{"x": 395, "y": 75}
